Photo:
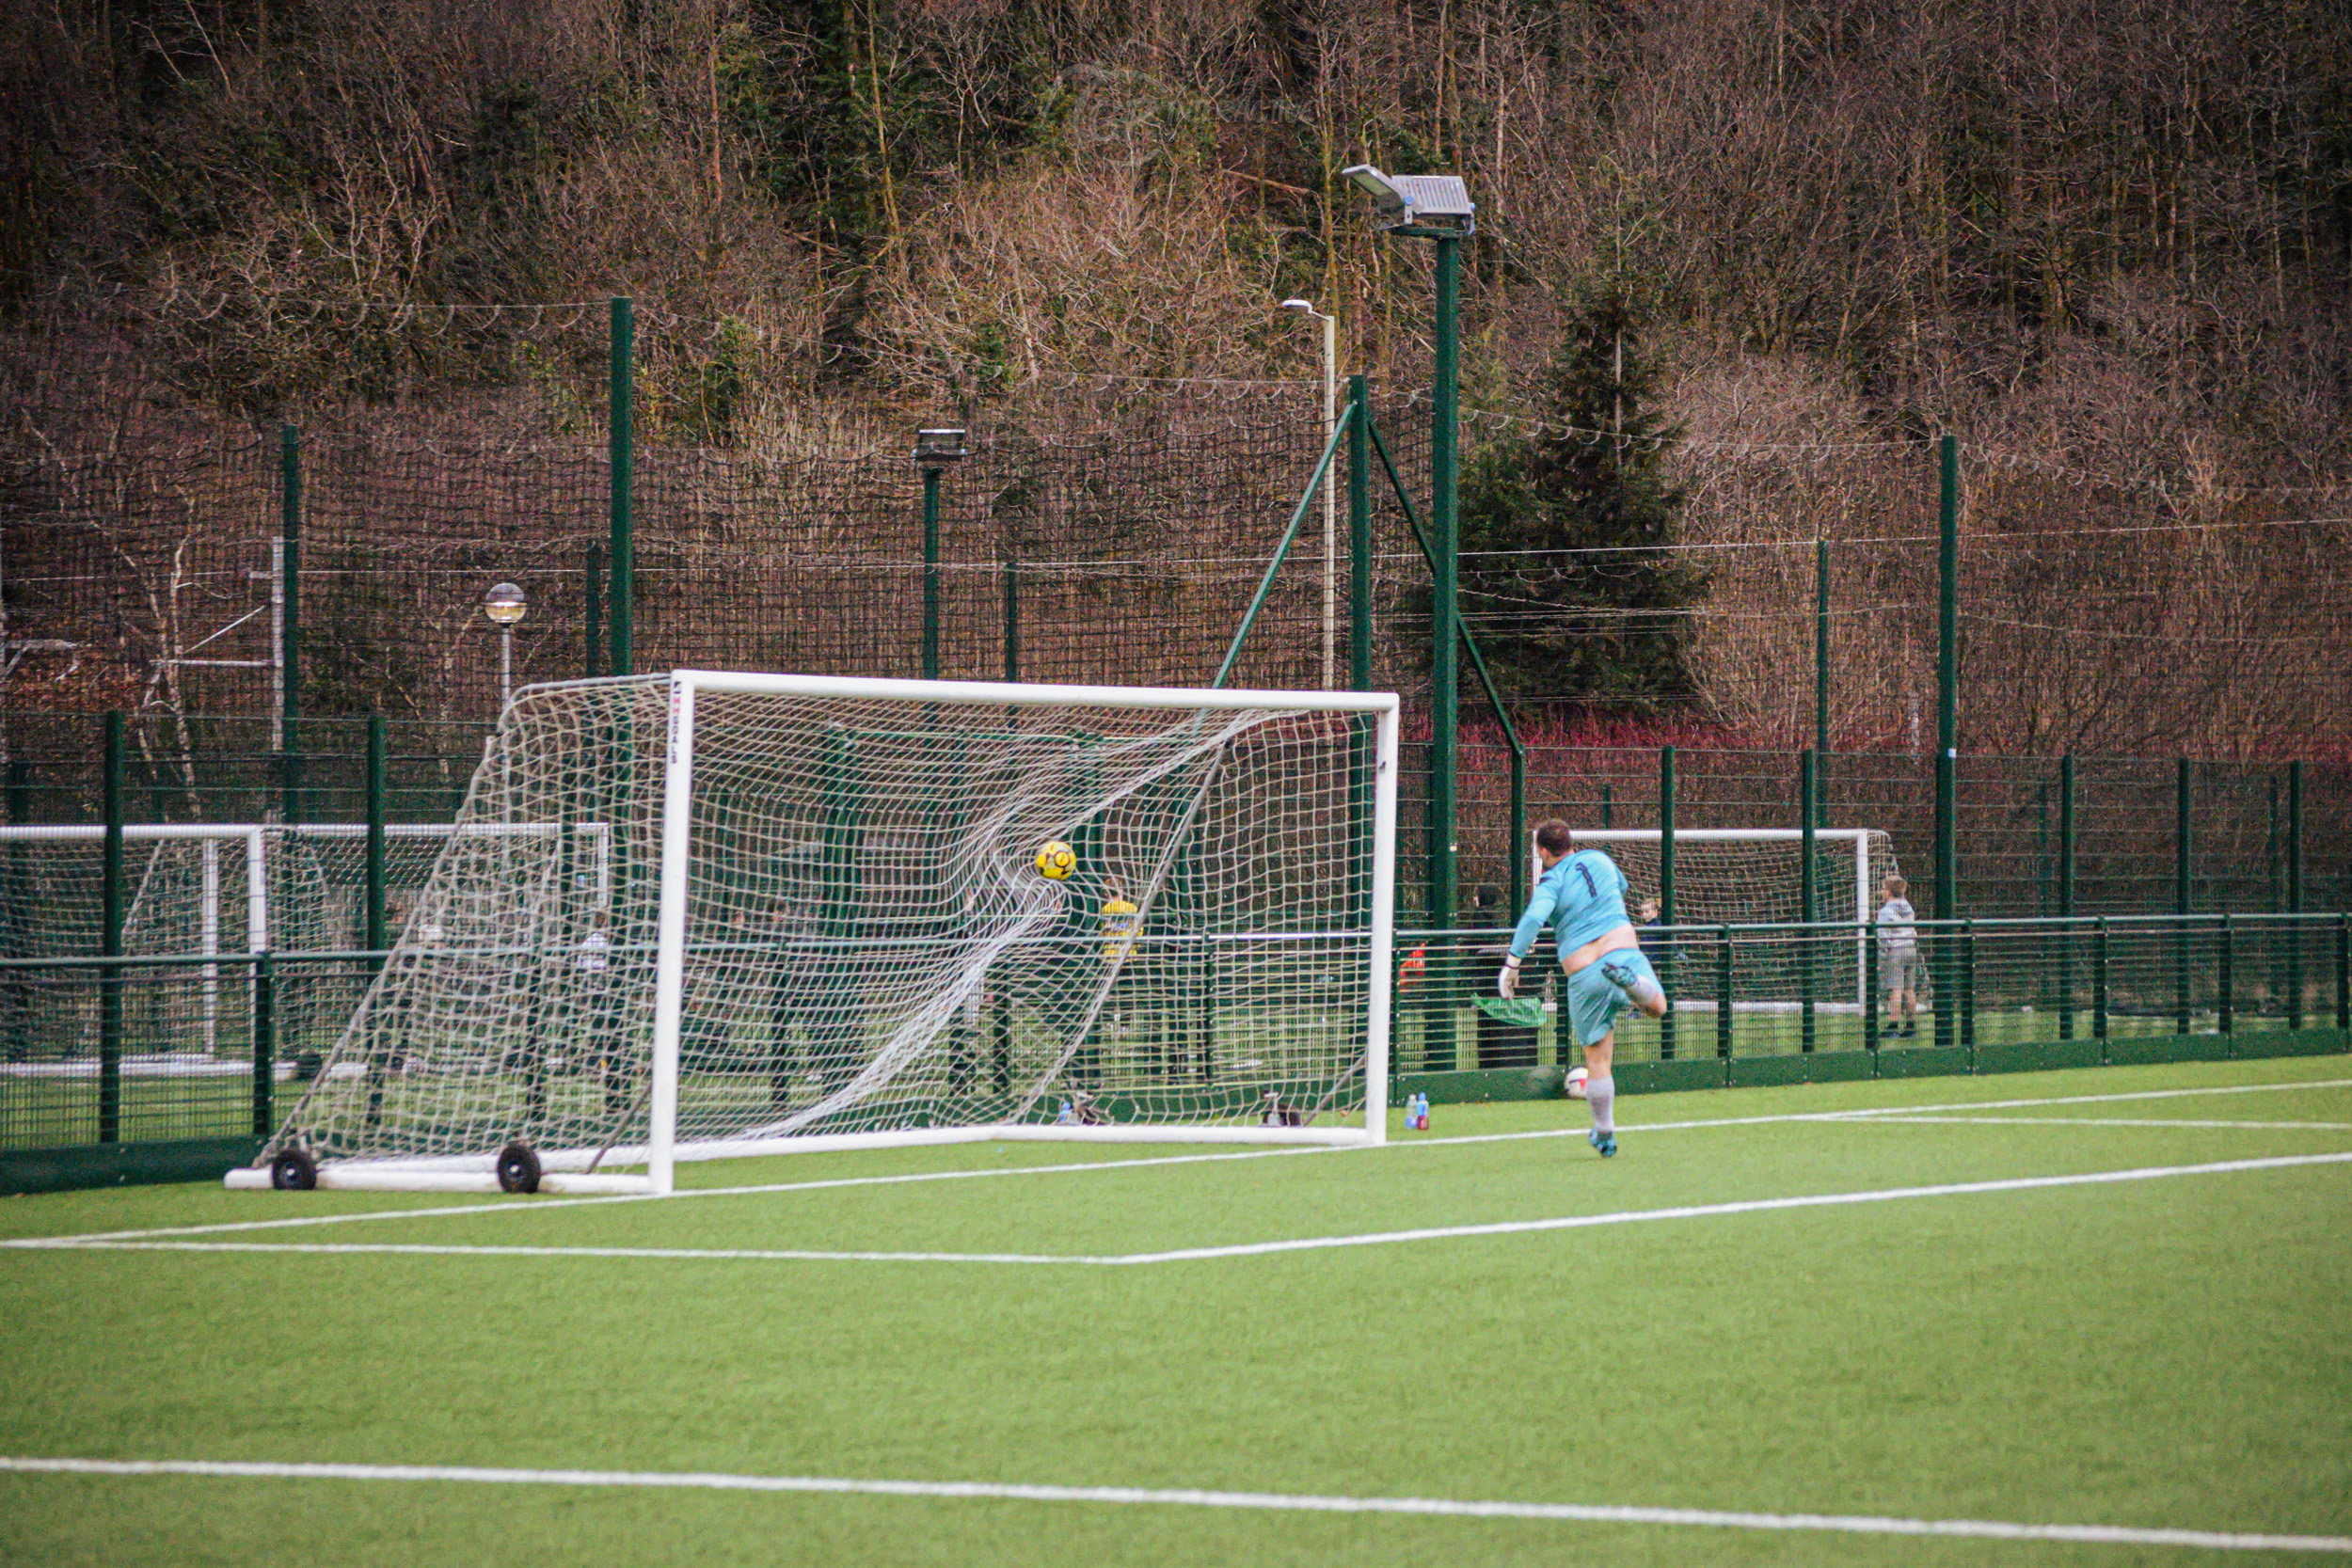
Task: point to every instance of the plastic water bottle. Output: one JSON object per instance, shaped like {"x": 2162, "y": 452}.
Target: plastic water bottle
{"x": 1068, "y": 1114}
{"x": 1424, "y": 1111}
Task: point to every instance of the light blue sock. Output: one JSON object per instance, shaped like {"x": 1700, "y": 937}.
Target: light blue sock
{"x": 1603, "y": 1095}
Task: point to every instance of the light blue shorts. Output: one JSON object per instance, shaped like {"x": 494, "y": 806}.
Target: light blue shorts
{"x": 1595, "y": 999}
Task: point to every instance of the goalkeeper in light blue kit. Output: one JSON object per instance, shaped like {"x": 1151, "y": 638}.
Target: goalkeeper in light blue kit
{"x": 1583, "y": 893}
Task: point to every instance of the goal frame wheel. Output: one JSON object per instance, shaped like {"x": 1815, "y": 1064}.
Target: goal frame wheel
{"x": 519, "y": 1168}
{"x": 293, "y": 1171}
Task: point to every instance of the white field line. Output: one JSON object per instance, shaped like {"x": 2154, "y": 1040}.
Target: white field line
{"x": 1882, "y": 1113}
{"x": 1246, "y": 1249}
{"x": 2112, "y": 1121}
{"x": 2112, "y": 1099}
{"x": 541, "y": 1205}
{"x": 1277, "y": 1502}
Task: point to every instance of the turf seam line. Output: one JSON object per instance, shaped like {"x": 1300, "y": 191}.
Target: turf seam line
{"x": 1241, "y": 1249}
{"x": 543, "y": 1205}
{"x": 1611, "y": 1514}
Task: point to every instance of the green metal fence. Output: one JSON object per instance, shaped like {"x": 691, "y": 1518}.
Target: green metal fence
{"x": 1967, "y": 996}
{"x": 156, "y": 1067}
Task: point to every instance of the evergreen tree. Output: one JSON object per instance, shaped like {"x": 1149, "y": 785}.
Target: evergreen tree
{"x": 1612, "y": 627}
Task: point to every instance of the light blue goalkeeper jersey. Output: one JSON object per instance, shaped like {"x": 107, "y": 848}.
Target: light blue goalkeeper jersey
{"x": 1584, "y": 894}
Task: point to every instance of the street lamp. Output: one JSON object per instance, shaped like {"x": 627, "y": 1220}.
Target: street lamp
{"x": 504, "y": 604}
{"x": 1437, "y": 207}
{"x": 935, "y": 452}
{"x": 1330, "y": 490}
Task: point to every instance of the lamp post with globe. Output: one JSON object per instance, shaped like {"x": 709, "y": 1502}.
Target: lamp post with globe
{"x": 505, "y": 606}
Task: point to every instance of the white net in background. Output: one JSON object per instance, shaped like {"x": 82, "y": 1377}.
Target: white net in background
{"x": 1733, "y": 877}
{"x": 199, "y": 889}
{"x": 868, "y": 945}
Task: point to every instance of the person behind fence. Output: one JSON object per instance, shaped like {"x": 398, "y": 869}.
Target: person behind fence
{"x": 1899, "y": 958}
{"x": 1583, "y": 894}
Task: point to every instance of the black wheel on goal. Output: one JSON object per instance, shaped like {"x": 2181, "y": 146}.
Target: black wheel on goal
{"x": 293, "y": 1171}
{"x": 518, "y": 1170}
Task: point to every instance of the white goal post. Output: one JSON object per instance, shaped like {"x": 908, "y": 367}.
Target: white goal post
{"x": 827, "y": 927}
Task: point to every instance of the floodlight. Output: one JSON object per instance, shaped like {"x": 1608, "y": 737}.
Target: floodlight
{"x": 504, "y": 604}
{"x": 937, "y": 449}
{"x": 1410, "y": 200}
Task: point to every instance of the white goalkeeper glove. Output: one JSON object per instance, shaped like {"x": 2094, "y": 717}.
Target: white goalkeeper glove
{"x": 1507, "y": 983}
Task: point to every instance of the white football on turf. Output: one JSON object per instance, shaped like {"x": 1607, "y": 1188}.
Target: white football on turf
{"x": 1575, "y": 1083}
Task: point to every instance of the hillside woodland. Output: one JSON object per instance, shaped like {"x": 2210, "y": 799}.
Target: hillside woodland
{"x": 2106, "y": 242}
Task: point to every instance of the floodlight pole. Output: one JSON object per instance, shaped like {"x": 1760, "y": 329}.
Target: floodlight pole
{"x": 1330, "y": 506}
{"x": 1437, "y": 207}
{"x": 1330, "y": 491}
{"x": 1445, "y": 642}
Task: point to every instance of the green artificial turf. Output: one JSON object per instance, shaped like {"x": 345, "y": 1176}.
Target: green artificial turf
{"x": 2161, "y": 1353}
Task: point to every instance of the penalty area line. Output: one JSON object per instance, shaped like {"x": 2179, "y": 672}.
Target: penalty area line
{"x": 1154, "y": 1496}
{"x": 1241, "y": 1249}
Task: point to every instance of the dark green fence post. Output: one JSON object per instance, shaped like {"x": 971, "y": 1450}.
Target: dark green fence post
{"x": 1012, "y": 618}
{"x": 2295, "y": 895}
{"x": 2344, "y": 972}
{"x": 1809, "y": 892}
{"x": 2271, "y": 854}
{"x": 593, "y": 651}
{"x": 1666, "y": 895}
{"x": 930, "y": 573}
{"x": 2099, "y": 987}
{"x": 1521, "y": 847}
{"x": 379, "y": 768}
{"x": 2182, "y": 895}
{"x": 1871, "y": 994}
{"x": 620, "y": 436}
{"x": 1723, "y": 991}
{"x": 2226, "y": 977}
{"x": 1608, "y": 807}
{"x": 2042, "y": 847}
{"x": 110, "y": 942}
{"x": 21, "y": 916}
{"x": 1821, "y": 646}
{"x": 2066, "y": 896}
{"x": 290, "y": 623}
{"x": 1360, "y": 538}
{"x": 1968, "y": 990}
{"x": 1947, "y": 725}
{"x": 264, "y": 1045}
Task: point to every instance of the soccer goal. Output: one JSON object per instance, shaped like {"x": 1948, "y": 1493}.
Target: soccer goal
{"x": 829, "y": 927}
{"x": 1756, "y": 876}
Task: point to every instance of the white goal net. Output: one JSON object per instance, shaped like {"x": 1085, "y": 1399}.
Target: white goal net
{"x": 827, "y": 925}
{"x": 1753, "y": 880}
{"x": 207, "y": 890}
